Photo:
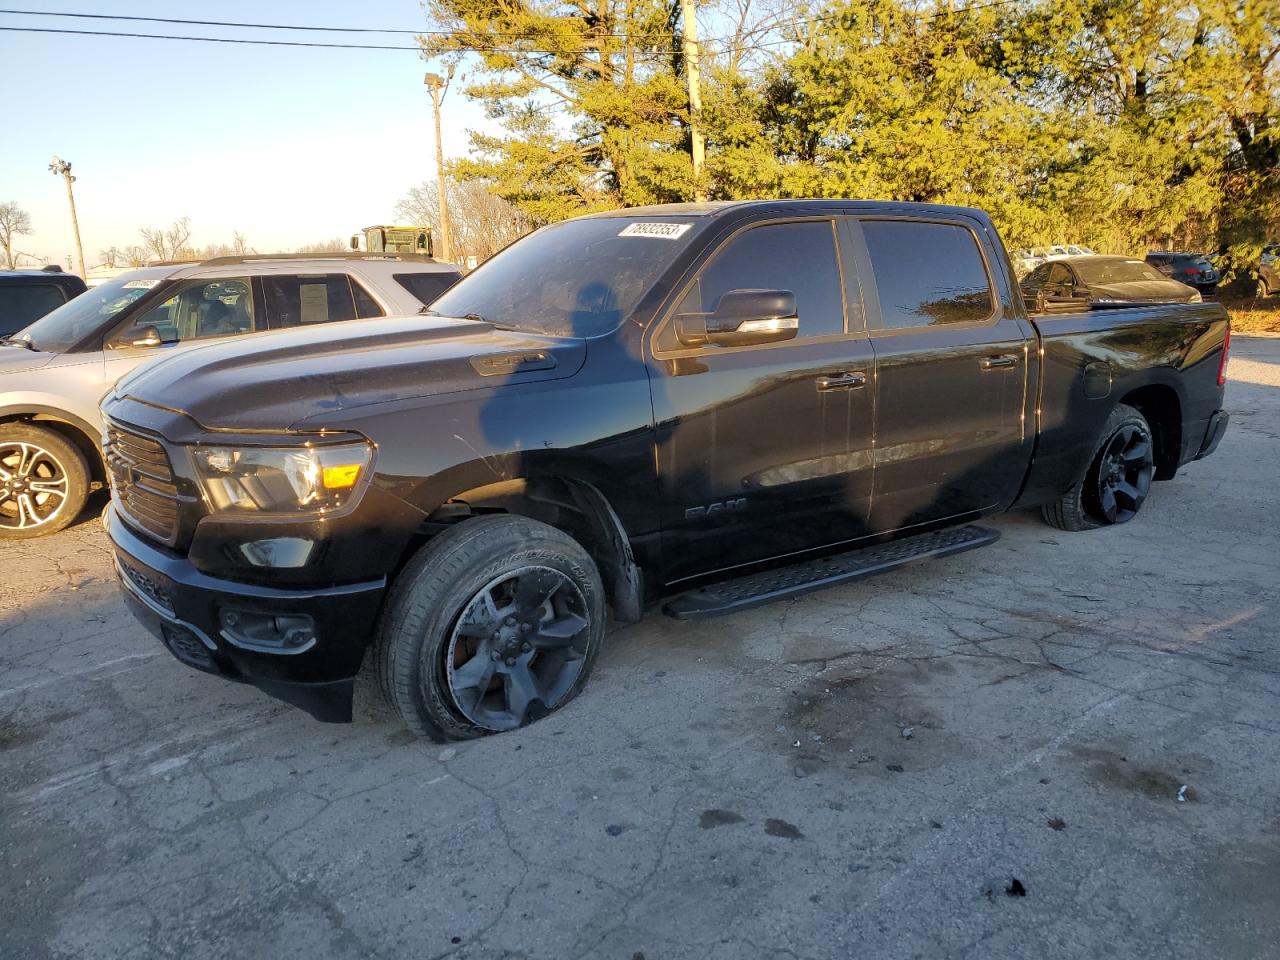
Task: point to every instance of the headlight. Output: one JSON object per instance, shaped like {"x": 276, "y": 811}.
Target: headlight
{"x": 281, "y": 480}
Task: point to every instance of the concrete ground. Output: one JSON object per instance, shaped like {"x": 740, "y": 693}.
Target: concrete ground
{"x": 738, "y": 788}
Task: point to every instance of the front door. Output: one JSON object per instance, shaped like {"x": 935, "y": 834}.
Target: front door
{"x": 764, "y": 451}
{"x": 952, "y": 437}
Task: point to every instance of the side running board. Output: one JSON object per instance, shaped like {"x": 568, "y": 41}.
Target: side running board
{"x": 800, "y": 578}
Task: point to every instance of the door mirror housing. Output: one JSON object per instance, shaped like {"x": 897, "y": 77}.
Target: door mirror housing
{"x": 742, "y": 318}
{"x": 139, "y": 337}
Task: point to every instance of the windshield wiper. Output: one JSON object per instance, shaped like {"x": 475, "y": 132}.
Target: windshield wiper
{"x": 477, "y": 318}
{"x": 17, "y": 342}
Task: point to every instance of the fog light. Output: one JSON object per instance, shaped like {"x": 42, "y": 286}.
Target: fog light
{"x": 268, "y": 632}
{"x": 281, "y": 552}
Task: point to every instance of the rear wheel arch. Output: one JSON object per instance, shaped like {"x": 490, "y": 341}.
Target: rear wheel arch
{"x": 1161, "y": 406}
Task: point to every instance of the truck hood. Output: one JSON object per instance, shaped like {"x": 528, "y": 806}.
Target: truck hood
{"x": 277, "y": 380}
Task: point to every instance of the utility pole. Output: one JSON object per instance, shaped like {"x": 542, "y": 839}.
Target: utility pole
{"x": 438, "y": 85}
{"x": 62, "y": 167}
{"x": 697, "y": 146}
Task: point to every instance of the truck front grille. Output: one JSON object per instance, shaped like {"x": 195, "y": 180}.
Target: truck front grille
{"x": 142, "y": 481}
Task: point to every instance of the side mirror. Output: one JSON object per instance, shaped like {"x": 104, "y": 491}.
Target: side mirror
{"x": 150, "y": 338}
{"x": 743, "y": 318}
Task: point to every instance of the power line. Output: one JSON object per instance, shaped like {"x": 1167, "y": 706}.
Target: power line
{"x": 164, "y": 36}
{"x": 205, "y": 23}
{"x": 287, "y": 26}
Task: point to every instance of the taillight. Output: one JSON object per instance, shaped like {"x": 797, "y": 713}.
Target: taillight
{"x": 1222, "y": 365}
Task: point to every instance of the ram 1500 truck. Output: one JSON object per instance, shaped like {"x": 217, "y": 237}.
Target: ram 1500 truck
{"x": 706, "y": 406}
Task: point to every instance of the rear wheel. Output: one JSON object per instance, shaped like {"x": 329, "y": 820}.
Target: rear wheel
{"x": 1263, "y": 291}
{"x": 493, "y": 625}
{"x": 44, "y": 481}
{"x": 1118, "y": 480}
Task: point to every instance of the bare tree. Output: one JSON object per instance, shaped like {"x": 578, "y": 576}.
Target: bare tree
{"x": 14, "y": 222}
{"x": 481, "y": 222}
{"x": 111, "y": 257}
{"x": 135, "y": 255}
{"x": 240, "y": 244}
{"x": 336, "y": 245}
{"x": 168, "y": 244}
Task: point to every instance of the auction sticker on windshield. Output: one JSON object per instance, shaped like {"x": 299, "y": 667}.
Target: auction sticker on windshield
{"x": 665, "y": 231}
{"x": 140, "y": 284}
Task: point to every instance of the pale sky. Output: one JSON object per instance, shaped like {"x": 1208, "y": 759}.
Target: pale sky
{"x": 288, "y": 145}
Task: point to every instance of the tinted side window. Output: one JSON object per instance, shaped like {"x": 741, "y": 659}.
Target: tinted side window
{"x": 23, "y": 304}
{"x": 1035, "y": 279}
{"x": 202, "y": 310}
{"x": 366, "y": 306}
{"x": 927, "y": 273}
{"x": 427, "y": 286}
{"x": 800, "y": 257}
{"x": 295, "y": 301}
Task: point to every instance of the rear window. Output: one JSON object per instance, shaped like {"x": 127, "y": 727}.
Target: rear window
{"x": 427, "y": 286}
{"x": 24, "y": 303}
{"x": 928, "y": 273}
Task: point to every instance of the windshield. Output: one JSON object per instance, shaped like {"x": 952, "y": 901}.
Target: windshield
{"x": 1106, "y": 270}
{"x": 76, "y": 319}
{"x": 579, "y": 278}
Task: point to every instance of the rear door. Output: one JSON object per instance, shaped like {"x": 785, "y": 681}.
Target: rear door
{"x": 295, "y": 300}
{"x": 951, "y": 371}
{"x": 764, "y": 450}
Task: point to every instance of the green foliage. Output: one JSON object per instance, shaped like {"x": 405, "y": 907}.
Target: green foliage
{"x": 1125, "y": 124}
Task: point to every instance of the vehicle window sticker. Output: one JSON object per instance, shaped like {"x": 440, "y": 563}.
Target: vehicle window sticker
{"x": 663, "y": 231}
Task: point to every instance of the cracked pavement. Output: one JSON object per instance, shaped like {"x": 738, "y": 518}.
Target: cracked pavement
{"x": 737, "y": 788}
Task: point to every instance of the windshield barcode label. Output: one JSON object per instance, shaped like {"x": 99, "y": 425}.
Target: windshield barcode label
{"x": 665, "y": 231}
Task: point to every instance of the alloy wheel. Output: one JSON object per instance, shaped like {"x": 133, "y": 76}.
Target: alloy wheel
{"x": 517, "y": 648}
{"x": 1125, "y": 469}
{"x": 33, "y": 485}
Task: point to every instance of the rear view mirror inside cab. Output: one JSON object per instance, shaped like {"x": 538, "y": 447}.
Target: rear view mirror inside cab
{"x": 742, "y": 318}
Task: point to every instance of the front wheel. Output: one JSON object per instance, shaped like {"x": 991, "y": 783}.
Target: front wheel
{"x": 44, "y": 481}
{"x": 494, "y": 624}
{"x": 1262, "y": 291}
{"x": 1118, "y": 480}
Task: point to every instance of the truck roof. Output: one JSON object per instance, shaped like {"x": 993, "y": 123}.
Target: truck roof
{"x": 717, "y": 207}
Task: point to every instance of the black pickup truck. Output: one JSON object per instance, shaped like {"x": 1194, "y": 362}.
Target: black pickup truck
{"x": 705, "y": 406}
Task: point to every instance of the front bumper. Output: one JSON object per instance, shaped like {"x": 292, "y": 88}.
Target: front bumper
{"x": 314, "y": 668}
{"x": 1213, "y": 433}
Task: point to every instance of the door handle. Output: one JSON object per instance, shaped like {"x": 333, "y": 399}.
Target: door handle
{"x": 841, "y": 381}
{"x": 997, "y": 363}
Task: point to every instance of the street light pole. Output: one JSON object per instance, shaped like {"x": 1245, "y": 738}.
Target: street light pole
{"x": 62, "y": 167}
{"x": 438, "y": 85}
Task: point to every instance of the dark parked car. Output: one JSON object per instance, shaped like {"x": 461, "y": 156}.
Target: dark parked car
{"x": 1269, "y": 270}
{"x": 1104, "y": 282}
{"x": 705, "y": 405}
{"x": 1193, "y": 269}
{"x": 27, "y": 295}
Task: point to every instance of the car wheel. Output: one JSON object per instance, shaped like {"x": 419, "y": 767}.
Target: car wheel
{"x": 1117, "y": 481}
{"x": 493, "y": 624}
{"x": 1262, "y": 291}
{"x": 44, "y": 482}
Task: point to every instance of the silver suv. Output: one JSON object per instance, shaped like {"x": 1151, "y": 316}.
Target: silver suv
{"x": 54, "y": 373}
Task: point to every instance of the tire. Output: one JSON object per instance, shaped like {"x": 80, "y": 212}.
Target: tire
{"x": 1262, "y": 290}
{"x": 492, "y": 625}
{"x": 44, "y": 481}
{"x": 1119, "y": 477}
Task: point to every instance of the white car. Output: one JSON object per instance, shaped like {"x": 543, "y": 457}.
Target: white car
{"x": 55, "y": 372}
